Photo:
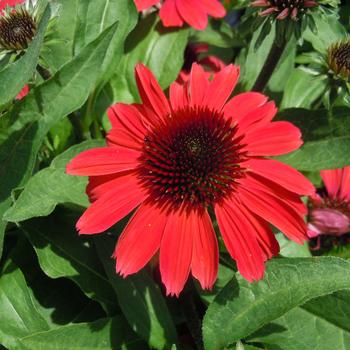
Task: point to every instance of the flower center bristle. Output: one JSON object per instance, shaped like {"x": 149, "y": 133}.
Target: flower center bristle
{"x": 338, "y": 58}
{"x": 17, "y": 30}
{"x": 193, "y": 158}
{"x": 290, "y": 4}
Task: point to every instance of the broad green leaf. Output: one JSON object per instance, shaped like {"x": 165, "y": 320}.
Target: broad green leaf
{"x": 23, "y": 130}
{"x": 17, "y": 74}
{"x": 326, "y": 139}
{"x": 329, "y": 31}
{"x": 255, "y": 60}
{"x": 4, "y": 205}
{"x": 104, "y": 334}
{"x": 218, "y": 33}
{"x": 52, "y": 186}
{"x": 20, "y": 313}
{"x": 63, "y": 253}
{"x": 160, "y": 49}
{"x": 299, "y": 81}
{"x": 242, "y": 307}
{"x": 81, "y": 22}
{"x": 140, "y": 300}
{"x": 322, "y": 323}
{"x": 291, "y": 249}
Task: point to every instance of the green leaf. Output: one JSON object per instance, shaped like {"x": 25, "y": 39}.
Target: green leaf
{"x": 326, "y": 138}
{"x": 104, "y": 334}
{"x": 52, "y": 186}
{"x": 20, "y": 313}
{"x": 322, "y": 323}
{"x": 23, "y": 130}
{"x": 291, "y": 249}
{"x": 218, "y": 33}
{"x": 242, "y": 307}
{"x": 250, "y": 70}
{"x": 299, "y": 81}
{"x": 329, "y": 31}
{"x": 160, "y": 49}
{"x": 140, "y": 300}
{"x": 17, "y": 74}
{"x": 63, "y": 253}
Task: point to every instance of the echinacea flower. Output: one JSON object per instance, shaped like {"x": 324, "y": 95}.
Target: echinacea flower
{"x": 284, "y": 8}
{"x": 338, "y": 59}
{"x": 178, "y": 160}
{"x": 330, "y": 212}
{"x": 174, "y": 13}
{"x": 17, "y": 25}
{"x": 197, "y": 52}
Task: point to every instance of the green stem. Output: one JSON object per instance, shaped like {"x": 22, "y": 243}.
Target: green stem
{"x": 269, "y": 66}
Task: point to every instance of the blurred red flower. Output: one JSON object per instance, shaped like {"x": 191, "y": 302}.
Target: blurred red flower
{"x": 174, "y": 160}
{"x": 196, "y": 52}
{"x": 23, "y": 93}
{"x": 4, "y": 3}
{"x": 330, "y": 213}
{"x": 174, "y": 13}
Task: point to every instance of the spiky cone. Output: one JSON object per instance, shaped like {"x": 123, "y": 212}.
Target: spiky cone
{"x": 17, "y": 29}
{"x": 338, "y": 59}
{"x": 282, "y": 9}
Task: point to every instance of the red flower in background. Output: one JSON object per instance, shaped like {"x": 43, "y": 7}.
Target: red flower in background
{"x": 330, "y": 213}
{"x": 23, "y": 93}
{"x": 11, "y": 3}
{"x": 173, "y": 159}
{"x": 197, "y": 53}
{"x": 174, "y": 13}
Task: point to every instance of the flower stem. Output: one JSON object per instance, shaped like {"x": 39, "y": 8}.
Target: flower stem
{"x": 270, "y": 64}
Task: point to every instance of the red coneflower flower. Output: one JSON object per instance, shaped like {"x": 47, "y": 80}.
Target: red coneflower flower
{"x": 330, "y": 213}
{"x": 193, "y": 53}
{"x": 174, "y": 13}
{"x": 177, "y": 159}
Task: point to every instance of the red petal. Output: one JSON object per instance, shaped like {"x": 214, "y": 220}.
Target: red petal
{"x": 151, "y": 93}
{"x": 263, "y": 233}
{"x": 242, "y": 104}
{"x": 127, "y": 117}
{"x": 273, "y": 139}
{"x": 178, "y": 96}
{"x": 121, "y": 137}
{"x": 257, "y": 118}
{"x": 213, "y": 8}
{"x": 145, "y": 4}
{"x": 205, "y": 256}
{"x": 198, "y": 85}
{"x": 332, "y": 180}
{"x": 24, "y": 92}
{"x": 282, "y": 174}
{"x": 169, "y": 14}
{"x": 111, "y": 207}
{"x": 274, "y": 211}
{"x": 103, "y": 161}
{"x": 99, "y": 185}
{"x": 345, "y": 184}
{"x": 192, "y": 14}
{"x": 221, "y": 87}
{"x": 140, "y": 239}
{"x": 176, "y": 251}
{"x": 240, "y": 241}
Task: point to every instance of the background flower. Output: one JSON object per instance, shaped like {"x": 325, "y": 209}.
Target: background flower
{"x": 174, "y": 13}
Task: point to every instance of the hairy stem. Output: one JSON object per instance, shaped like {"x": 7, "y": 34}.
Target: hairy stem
{"x": 269, "y": 66}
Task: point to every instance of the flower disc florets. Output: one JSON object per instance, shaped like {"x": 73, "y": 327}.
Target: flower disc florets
{"x": 193, "y": 158}
{"x": 338, "y": 59}
{"x": 284, "y": 8}
{"x": 17, "y": 29}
